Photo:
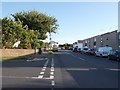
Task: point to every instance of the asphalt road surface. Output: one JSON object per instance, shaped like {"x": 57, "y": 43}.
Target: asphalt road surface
{"x": 65, "y": 70}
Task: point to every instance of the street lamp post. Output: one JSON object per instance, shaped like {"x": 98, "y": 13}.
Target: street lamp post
{"x": 50, "y": 37}
{"x": 51, "y": 27}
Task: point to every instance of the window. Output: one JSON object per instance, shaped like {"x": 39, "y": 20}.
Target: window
{"x": 119, "y": 46}
{"x": 85, "y": 44}
{"x": 107, "y": 45}
{"x": 85, "y": 48}
{"x": 94, "y": 43}
{"x": 119, "y": 36}
{"x": 94, "y": 39}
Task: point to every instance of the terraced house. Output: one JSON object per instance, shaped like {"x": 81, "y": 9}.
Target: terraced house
{"x": 110, "y": 39}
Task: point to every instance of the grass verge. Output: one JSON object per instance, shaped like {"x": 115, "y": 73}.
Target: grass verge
{"x": 43, "y": 55}
{"x": 15, "y": 58}
{"x": 47, "y": 55}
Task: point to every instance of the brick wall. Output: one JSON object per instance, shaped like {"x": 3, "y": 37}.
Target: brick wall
{"x": 16, "y": 52}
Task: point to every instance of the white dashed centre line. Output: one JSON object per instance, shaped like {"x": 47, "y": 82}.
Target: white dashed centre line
{"x": 52, "y": 69}
{"x": 51, "y": 73}
{"x": 51, "y": 77}
{"x": 42, "y": 72}
{"x": 53, "y": 83}
{"x": 43, "y": 69}
{"x": 46, "y": 63}
{"x": 52, "y": 63}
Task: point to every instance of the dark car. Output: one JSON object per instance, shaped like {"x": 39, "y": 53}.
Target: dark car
{"x": 114, "y": 55}
{"x": 75, "y": 49}
{"x": 79, "y": 50}
{"x": 92, "y": 51}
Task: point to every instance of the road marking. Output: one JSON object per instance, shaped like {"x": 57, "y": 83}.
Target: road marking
{"x": 42, "y": 72}
{"x": 28, "y": 60}
{"x": 34, "y": 78}
{"x": 51, "y": 77}
{"x": 51, "y": 73}
{"x": 113, "y": 69}
{"x": 46, "y": 63}
{"x": 82, "y": 59}
{"x": 52, "y": 69}
{"x": 40, "y": 76}
{"x": 19, "y": 77}
{"x": 13, "y": 77}
{"x": 73, "y": 55}
{"x": 93, "y": 68}
{"x": 52, "y": 83}
{"x": 36, "y": 59}
{"x": 66, "y": 53}
{"x": 46, "y": 58}
{"x": 81, "y": 69}
{"x": 44, "y": 67}
{"x": 52, "y": 63}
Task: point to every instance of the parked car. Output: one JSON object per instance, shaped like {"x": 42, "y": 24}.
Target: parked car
{"x": 74, "y": 49}
{"x": 85, "y": 50}
{"x": 92, "y": 51}
{"x": 114, "y": 55}
{"x": 103, "y": 51}
{"x": 79, "y": 50}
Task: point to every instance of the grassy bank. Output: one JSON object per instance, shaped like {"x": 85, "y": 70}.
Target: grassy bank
{"x": 49, "y": 55}
{"x": 43, "y": 55}
{"x": 46, "y": 55}
{"x": 15, "y": 58}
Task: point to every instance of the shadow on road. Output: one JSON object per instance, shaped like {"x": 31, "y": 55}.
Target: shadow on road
{"x": 35, "y": 60}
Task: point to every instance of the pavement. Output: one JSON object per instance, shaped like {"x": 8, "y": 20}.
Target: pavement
{"x": 65, "y": 70}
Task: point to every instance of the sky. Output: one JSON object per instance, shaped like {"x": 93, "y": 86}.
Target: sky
{"x": 77, "y": 20}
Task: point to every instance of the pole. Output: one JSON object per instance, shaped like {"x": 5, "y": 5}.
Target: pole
{"x": 50, "y": 37}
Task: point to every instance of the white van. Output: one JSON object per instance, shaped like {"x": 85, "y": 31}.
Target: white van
{"x": 103, "y": 51}
{"x": 85, "y": 50}
{"x": 55, "y": 48}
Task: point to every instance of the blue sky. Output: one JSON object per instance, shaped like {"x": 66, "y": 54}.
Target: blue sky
{"x": 77, "y": 21}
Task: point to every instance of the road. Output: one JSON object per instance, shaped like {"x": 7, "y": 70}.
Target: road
{"x": 65, "y": 70}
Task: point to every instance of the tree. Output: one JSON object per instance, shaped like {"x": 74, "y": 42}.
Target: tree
{"x": 27, "y": 27}
{"x": 38, "y": 22}
{"x": 13, "y": 31}
{"x": 0, "y": 33}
